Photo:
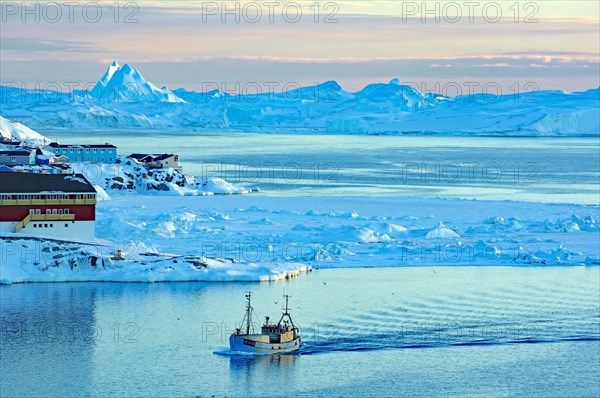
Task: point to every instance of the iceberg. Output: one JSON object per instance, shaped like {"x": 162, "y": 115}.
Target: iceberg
{"x": 126, "y": 84}
{"x": 123, "y": 98}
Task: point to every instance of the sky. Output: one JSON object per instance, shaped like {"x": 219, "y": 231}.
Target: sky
{"x": 449, "y": 47}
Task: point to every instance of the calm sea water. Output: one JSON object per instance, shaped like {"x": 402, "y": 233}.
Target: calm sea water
{"x": 455, "y": 331}
{"x": 443, "y": 331}
{"x": 561, "y": 170}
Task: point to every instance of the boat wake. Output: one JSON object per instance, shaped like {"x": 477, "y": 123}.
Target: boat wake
{"x": 348, "y": 345}
{"x": 231, "y": 353}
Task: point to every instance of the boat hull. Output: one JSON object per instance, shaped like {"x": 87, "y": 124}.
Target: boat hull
{"x": 242, "y": 344}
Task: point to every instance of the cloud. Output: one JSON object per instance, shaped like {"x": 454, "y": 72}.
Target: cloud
{"x": 568, "y": 73}
{"x": 28, "y": 45}
{"x": 172, "y": 45}
{"x": 496, "y": 65}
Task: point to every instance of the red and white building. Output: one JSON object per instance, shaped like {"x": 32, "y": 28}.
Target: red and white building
{"x": 54, "y": 205}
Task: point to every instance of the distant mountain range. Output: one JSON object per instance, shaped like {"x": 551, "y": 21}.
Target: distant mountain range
{"x": 124, "y": 99}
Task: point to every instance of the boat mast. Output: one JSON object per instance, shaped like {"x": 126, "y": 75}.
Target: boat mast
{"x": 286, "y": 312}
{"x": 248, "y": 312}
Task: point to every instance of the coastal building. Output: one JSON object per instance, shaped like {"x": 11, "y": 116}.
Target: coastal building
{"x": 44, "y": 157}
{"x": 157, "y": 161}
{"x": 55, "y": 205}
{"x": 103, "y": 153}
{"x": 6, "y": 144}
{"x": 19, "y": 156}
{"x": 55, "y": 168}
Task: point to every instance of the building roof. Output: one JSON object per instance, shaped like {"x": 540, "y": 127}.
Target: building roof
{"x": 28, "y": 183}
{"x": 10, "y": 144}
{"x": 5, "y": 169}
{"x": 8, "y": 141}
{"x": 100, "y": 146}
{"x": 16, "y": 152}
{"x": 163, "y": 156}
{"x": 147, "y": 157}
{"x": 140, "y": 156}
{"x": 57, "y": 145}
{"x": 43, "y": 152}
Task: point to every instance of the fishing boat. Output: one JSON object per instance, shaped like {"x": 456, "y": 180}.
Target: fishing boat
{"x": 273, "y": 338}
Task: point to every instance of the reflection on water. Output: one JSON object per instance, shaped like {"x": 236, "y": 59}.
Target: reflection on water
{"x": 47, "y": 335}
{"x": 251, "y": 372}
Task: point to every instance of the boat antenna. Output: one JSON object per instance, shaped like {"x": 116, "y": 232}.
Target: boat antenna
{"x": 287, "y": 296}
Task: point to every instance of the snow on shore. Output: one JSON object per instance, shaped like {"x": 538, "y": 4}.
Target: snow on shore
{"x": 268, "y": 238}
{"x": 128, "y": 176}
{"x": 26, "y": 259}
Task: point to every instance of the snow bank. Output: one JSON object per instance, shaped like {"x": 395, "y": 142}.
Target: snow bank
{"x": 270, "y": 230}
{"x": 441, "y": 232}
{"x": 232, "y": 238}
{"x": 14, "y": 131}
{"x": 41, "y": 260}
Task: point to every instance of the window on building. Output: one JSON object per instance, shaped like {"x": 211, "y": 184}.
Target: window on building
{"x": 66, "y": 225}
{"x": 34, "y": 225}
{"x": 60, "y": 211}
{"x": 54, "y": 211}
{"x": 31, "y": 211}
{"x": 45, "y": 225}
{"x": 66, "y": 211}
{"x": 48, "y": 211}
{"x": 38, "y": 211}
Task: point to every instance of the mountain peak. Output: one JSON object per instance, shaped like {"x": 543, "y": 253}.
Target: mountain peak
{"x": 330, "y": 85}
{"x": 127, "y": 69}
{"x": 126, "y": 84}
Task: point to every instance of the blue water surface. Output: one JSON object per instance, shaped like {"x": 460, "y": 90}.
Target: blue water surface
{"x": 447, "y": 331}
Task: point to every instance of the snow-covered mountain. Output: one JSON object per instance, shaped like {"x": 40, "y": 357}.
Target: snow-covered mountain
{"x": 13, "y": 131}
{"x": 123, "y": 98}
{"x": 126, "y": 84}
